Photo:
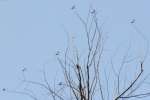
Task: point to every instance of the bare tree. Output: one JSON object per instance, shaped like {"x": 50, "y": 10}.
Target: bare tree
{"x": 85, "y": 76}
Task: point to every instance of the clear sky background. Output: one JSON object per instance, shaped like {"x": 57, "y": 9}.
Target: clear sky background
{"x": 31, "y": 31}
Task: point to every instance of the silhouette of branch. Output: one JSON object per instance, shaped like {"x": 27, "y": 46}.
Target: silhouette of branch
{"x": 131, "y": 85}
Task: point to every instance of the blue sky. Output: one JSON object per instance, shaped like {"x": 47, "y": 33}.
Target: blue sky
{"x": 31, "y": 31}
